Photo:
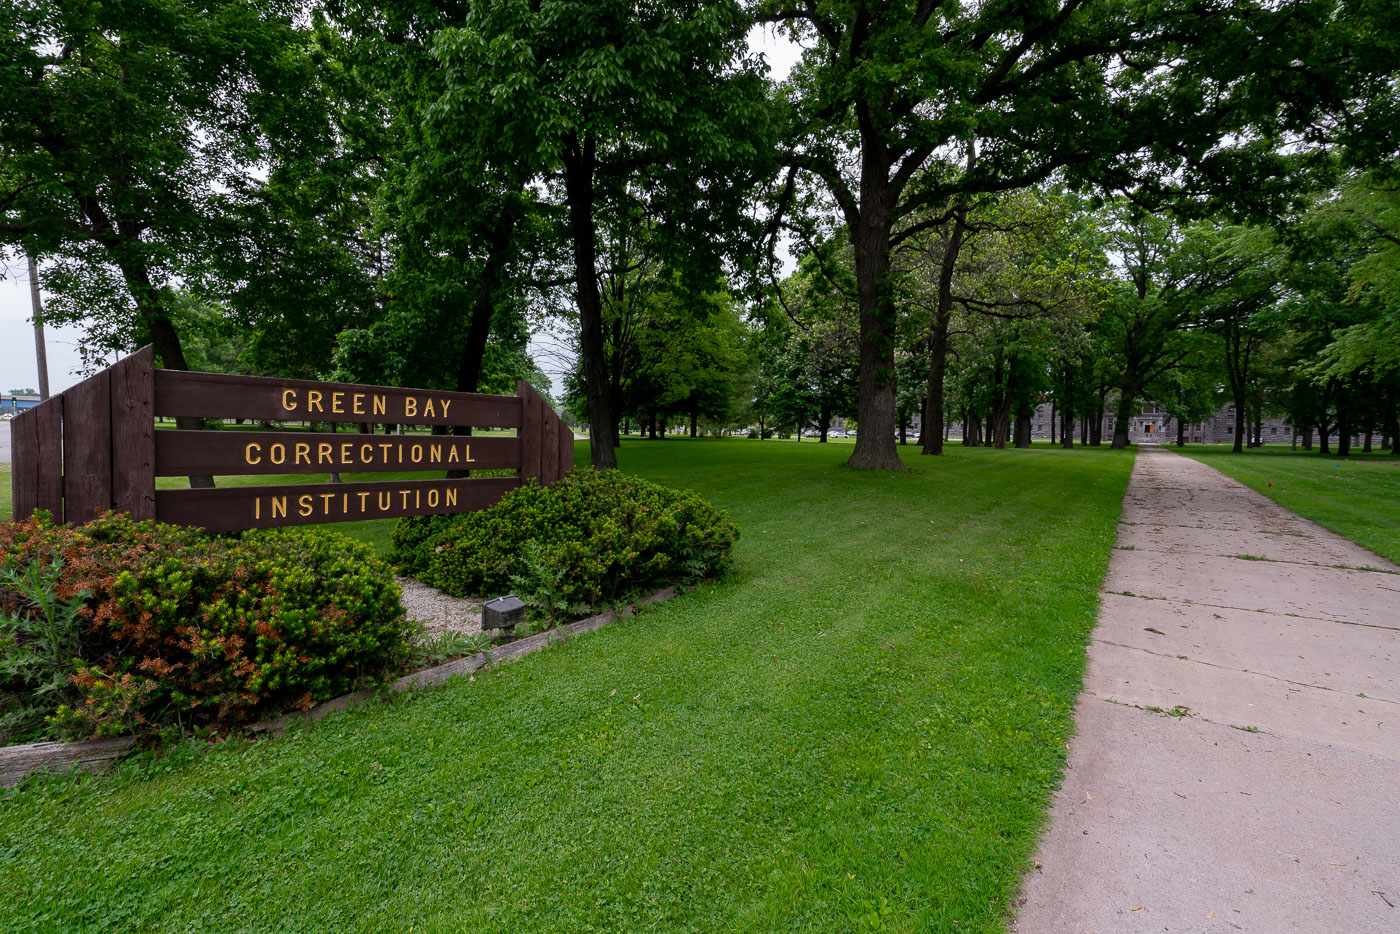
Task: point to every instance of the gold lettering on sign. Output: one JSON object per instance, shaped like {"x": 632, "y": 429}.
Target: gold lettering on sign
{"x": 445, "y": 404}
{"x": 428, "y": 410}
{"x": 279, "y": 506}
{"x": 385, "y": 448}
{"x": 432, "y": 497}
{"x": 345, "y": 456}
{"x": 367, "y": 454}
{"x": 415, "y": 453}
{"x": 304, "y": 504}
{"x": 250, "y": 451}
{"x": 452, "y": 454}
{"x": 410, "y": 407}
{"x": 326, "y": 503}
{"x": 467, "y": 454}
{"x": 337, "y": 405}
{"x": 384, "y": 501}
{"x": 451, "y": 495}
{"x": 277, "y": 453}
{"x": 257, "y": 508}
{"x": 363, "y": 497}
{"x": 289, "y": 400}
{"x": 303, "y": 453}
{"x": 435, "y": 454}
{"x": 323, "y": 453}
{"x": 357, "y": 403}
{"x": 313, "y": 401}
{"x": 404, "y": 494}
{"x": 380, "y": 405}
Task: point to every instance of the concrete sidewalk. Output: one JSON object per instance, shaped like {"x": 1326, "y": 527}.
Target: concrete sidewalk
{"x": 1237, "y": 762}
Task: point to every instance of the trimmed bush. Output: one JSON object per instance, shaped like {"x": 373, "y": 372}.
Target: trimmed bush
{"x": 182, "y": 629}
{"x": 592, "y": 539}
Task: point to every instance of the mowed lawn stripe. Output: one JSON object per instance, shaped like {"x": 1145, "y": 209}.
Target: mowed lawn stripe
{"x": 859, "y": 727}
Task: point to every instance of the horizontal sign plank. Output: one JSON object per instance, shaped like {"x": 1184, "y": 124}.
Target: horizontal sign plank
{"x": 215, "y": 395}
{"x": 221, "y": 453}
{"x": 256, "y": 507}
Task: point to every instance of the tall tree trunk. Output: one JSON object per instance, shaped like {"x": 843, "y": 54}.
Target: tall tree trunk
{"x": 694, "y": 420}
{"x": 1122, "y": 417}
{"x": 1067, "y": 411}
{"x": 938, "y": 336}
{"x": 473, "y": 354}
{"x": 1181, "y": 433}
{"x": 1240, "y": 428}
{"x": 875, "y": 448}
{"x": 579, "y": 165}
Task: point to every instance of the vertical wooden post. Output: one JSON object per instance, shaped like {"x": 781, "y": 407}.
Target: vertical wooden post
{"x": 566, "y": 449}
{"x": 87, "y": 448}
{"x": 133, "y": 435}
{"x": 531, "y": 417}
{"x": 36, "y": 438}
{"x": 549, "y": 446}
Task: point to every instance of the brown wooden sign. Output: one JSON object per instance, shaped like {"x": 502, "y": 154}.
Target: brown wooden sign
{"x": 95, "y": 448}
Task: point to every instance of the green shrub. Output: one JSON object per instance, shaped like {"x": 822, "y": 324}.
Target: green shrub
{"x": 593, "y": 538}
{"x": 180, "y": 628}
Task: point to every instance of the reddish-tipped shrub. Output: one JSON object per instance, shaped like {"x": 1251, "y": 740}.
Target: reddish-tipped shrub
{"x": 183, "y": 628}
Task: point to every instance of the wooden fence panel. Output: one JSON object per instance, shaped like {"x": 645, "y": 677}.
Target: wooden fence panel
{"x": 133, "y": 435}
{"x": 94, "y": 448}
{"x": 253, "y": 507}
{"x": 212, "y": 395}
{"x": 531, "y": 417}
{"x": 180, "y": 453}
{"x": 549, "y": 447}
{"x": 87, "y": 448}
{"x": 36, "y": 445}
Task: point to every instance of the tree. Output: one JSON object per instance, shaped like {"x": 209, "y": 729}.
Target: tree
{"x": 1017, "y": 256}
{"x": 1245, "y": 266}
{"x": 129, "y": 131}
{"x": 1122, "y": 95}
{"x": 614, "y": 100}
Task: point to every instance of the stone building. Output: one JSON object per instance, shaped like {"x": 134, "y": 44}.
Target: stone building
{"x": 1155, "y": 425}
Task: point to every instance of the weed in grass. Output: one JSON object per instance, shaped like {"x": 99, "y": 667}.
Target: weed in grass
{"x": 444, "y": 646}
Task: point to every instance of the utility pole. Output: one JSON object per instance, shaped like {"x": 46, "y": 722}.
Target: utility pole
{"x": 41, "y": 355}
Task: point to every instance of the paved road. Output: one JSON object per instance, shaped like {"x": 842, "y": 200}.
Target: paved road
{"x": 4, "y": 442}
{"x": 1238, "y": 616}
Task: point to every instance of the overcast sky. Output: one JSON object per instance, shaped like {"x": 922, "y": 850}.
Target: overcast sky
{"x": 17, "y": 366}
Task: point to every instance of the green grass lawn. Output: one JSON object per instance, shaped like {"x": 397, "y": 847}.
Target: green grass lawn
{"x": 1357, "y": 497}
{"x": 858, "y": 729}
{"x": 6, "y": 506}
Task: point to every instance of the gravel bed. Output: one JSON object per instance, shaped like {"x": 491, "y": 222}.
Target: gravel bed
{"x": 438, "y": 611}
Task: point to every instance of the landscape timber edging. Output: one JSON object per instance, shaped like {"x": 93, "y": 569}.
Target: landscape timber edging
{"x": 95, "y": 755}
